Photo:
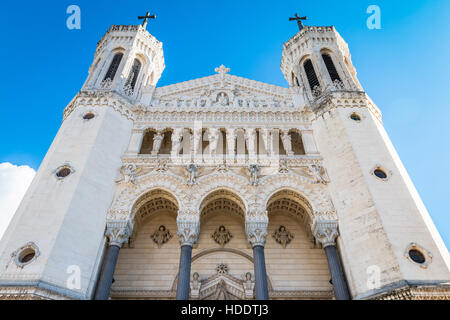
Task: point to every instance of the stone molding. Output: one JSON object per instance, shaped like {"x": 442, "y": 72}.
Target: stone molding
{"x": 256, "y": 227}
{"x": 188, "y": 223}
{"x": 118, "y": 232}
{"x": 326, "y": 232}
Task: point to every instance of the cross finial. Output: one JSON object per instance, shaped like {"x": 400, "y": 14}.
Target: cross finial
{"x": 222, "y": 70}
{"x": 299, "y": 21}
{"x": 146, "y": 17}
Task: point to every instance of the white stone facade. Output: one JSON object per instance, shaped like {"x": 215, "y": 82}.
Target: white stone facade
{"x": 291, "y": 169}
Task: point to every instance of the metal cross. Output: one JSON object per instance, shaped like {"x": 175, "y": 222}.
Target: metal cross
{"x": 146, "y": 17}
{"x": 299, "y": 21}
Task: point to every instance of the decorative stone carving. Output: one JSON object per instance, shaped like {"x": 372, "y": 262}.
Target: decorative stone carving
{"x": 188, "y": 223}
{"x": 256, "y": 228}
{"x": 254, "y": 171}
{"x": 222, "y": 268}
{"x": 267, "y": 140}
{"x": 161, "y": 236}
{"x": 284, "y": 167}
{"x": 222, "y": 236}
{"x": 325, "y": 232}
{"x": 231, "y": 142}
{"x": 250, "y": 141}
{"x": 249, "y": 286}
{"x": 129, "y": 172}
{"x": 319, "y": 173}
{"x": 157, "y": 140}
{"x": 282, "y": 236}
{"x": 192, "y": 173}
{"x": 118, "y": 232}
{"x": 195, "y": 286}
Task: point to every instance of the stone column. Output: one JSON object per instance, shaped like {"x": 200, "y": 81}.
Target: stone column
{"x": 256, "y": 230}
{"x": 117, "y": 232}
{"x": 188, "y": 223}
{"x": 326, "y": 233}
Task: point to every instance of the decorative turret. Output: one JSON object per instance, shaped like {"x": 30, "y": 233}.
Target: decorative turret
{"x": 317, "y": 60}
{"x": 129, "y": 61}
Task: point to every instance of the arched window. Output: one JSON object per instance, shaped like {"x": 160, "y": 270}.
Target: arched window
{"x": 132, "y": 77}
{"x": 114, "y": 66}
{"x": 330, "y": 67}
{"x": 311, "y": 74}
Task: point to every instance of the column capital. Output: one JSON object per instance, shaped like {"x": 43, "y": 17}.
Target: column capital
{"x": 256, "y": 223}
{"x": 188, "y": 222}
{"x": 118, "y": 232}
{"x": 326, "y": 232}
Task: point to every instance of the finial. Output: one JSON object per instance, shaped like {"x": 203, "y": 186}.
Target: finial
{"x": 299, "y": 21}
{"x": 146, "y": 17}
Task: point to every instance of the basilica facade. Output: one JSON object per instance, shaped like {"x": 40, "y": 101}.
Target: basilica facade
{"x": 222, "y": 188}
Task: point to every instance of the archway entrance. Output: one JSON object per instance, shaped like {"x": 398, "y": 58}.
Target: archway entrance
{"x": 295, "y": 263}
{"x": 222, "y": 265}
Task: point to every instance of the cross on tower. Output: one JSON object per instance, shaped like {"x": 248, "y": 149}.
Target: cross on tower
{"x": 299, "y": 21}
{"x": 146, "y": 17}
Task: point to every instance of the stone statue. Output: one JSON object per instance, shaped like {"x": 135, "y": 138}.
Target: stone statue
{"x": 195, "y": 286}
{"x": 157, "y": 140}
{"x": 287, "y": 144}
{"x": 254, "y": 170}
{"x": 267, "y": 140}
{"x": 213, "y": 137}
{"x": 176, "y": 140}
{"x": 192, "y": 173}
{"x": 222, "y": 236}
{"x": 130, "y": 173}
{"x": 283, "y": 236}
{"x": 250, "y": 139}
{"x": 161, "y": 236}
{"x": 248, "y": 285}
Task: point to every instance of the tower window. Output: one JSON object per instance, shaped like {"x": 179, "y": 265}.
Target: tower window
{"x": 114, "y": 66}
{"x": 354, "y": 116}
{"x": 88, "y": 116}
{"x": 311, "y": 74}
{"x": 132, "y": 77}
{"x": 330, "y": 67}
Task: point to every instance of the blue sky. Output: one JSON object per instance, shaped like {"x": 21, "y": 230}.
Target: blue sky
{"x": 404, "y": 66}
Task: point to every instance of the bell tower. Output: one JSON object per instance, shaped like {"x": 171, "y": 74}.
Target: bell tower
{"x": 129, "y": 61}
{"x": 54, "y": 245}
{"x": 387, "y": 239}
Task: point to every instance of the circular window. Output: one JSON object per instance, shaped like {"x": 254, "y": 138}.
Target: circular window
{"x": 380, "y": 173}
{"x": 63, "y": 172}
{"x": 416, "y": 256}
{"x": 355, "y": 117}
{"x": 27, "y": 255}
{"x": 88, "y": 116}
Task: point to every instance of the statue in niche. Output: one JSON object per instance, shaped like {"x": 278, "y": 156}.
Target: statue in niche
{"x": 192, "y": 173}
{"x": 157, "y": 141}
{"x": 287, "y": 143}
{"x": 176, "y": 140}
{"x": 284, "y": 167}
{"x": 161, "y": 236}
{"x": 267, "y": 139}
{"x": 213, "y": 137}
{"x": 222, "y": 236}
{"x": 319, "y": 173}
{"x": 283, "y": 236}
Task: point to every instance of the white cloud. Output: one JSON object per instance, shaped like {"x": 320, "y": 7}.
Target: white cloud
{"x": 14, "y": 182}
